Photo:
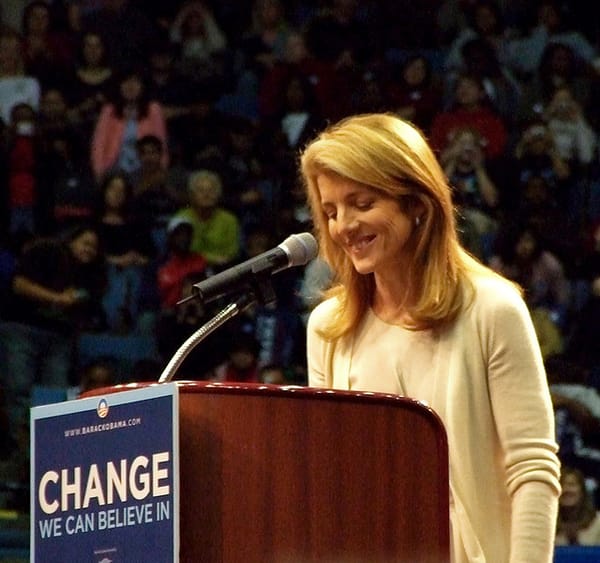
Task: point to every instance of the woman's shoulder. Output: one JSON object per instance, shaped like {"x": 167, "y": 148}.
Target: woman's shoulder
{"x": 322, "y": 313}
{"x": 492, "y": 290}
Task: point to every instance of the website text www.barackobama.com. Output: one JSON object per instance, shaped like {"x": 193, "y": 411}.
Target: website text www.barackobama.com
{"x": 102, "y": 427}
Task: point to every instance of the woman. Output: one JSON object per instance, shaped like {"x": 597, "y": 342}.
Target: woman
{"x": 411, "y": 313}
{"x": 129, "y": 251}
{"x": 578, "y": 518}
{"x": 129, "y": 116}
{"x": 90, "y": 80}
{"x": 54, "y": 294}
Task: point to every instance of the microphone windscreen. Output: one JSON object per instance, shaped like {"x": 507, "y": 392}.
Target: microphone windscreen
{"x": 301, "y": 248}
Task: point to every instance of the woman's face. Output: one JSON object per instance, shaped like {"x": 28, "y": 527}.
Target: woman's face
{"x": 369, "y": 226}
{"x": 571, "y": 491}
{"x": 415, "y": 72}
{"x": 85, "y": 247}
{"x": 131, "y": 88}
{"x": 93, "y": 48}
{"x": 115, "y": 193}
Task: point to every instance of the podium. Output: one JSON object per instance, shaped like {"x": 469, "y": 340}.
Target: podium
{"x": 288, "y": 474}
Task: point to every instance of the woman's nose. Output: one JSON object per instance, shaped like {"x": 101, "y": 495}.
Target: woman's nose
{"x": 346, "y": 221}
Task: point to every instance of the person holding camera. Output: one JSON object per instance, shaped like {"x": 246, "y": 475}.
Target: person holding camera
{"x": 474, "y": 191}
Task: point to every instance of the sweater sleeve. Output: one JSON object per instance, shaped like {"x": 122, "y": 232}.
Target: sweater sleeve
{"x": 524, "y": 419}
{"x": 317, "y": 348}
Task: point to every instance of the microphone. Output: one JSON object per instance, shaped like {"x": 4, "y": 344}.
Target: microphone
{"x": 296, "y": 250}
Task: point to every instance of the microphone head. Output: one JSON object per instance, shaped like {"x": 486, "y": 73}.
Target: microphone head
{"x": 301, "y": 248}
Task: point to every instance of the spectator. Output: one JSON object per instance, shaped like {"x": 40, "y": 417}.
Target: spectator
{"x": 471, "y": 107}
{"x": 216, "y": 230}
{"x": 27, "y": 204}
{"x": 535, "y": 154}
{"x": 16, "y": 86}
{"x": 415, "y": 91}
{"x": 298, "y": 60}
{"x": 574, "y": 138}
{"x": 181, "y": 264}
{"x": 503, "y": 90}
{"x": 89, "y": 81}
{"x": 201, "y": 43}
{"x": 484, "y": 19}
{"x": 127, "y": 31}
{"x": 241, "y": 365}
{"x": 127, "y": 117}
{"x": 578, "y": 517}
{"x": 129, "y": 251}
{"x": 475, "y": 192}
{"x": 273, "y": 374}
{"x": 559, "y": 67}
{"x": 551, "y": 25}
{"x": 523, "y": 257}
{"x": 67, "y": 180}
{"x": 155, "y": 197}
{"x": 95, "y": 374}
{"x": 55, "y": 294}
{"x": 48, "y": 52}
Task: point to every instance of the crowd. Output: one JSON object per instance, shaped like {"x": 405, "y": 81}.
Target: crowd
{"x": 147, "y": 145}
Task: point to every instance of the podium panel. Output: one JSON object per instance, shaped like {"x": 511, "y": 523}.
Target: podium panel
{"x": 288, "y": 474}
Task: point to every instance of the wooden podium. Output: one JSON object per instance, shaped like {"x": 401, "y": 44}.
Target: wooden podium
{"x": 287, "y": 474}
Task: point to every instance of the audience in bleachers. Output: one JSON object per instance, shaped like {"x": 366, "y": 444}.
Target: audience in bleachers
{"x": 125, "y": 104}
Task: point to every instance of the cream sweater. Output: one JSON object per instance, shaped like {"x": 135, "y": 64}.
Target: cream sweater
{"x": 485, "y": 378}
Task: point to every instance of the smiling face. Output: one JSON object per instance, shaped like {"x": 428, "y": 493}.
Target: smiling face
{"x": 368, "y": 225}
{"x": 571, "y": 490}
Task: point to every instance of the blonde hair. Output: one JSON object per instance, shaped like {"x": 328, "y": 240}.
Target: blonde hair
{"x": 390, "y": 155}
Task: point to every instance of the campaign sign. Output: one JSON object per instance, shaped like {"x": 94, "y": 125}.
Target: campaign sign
{"x": 105, "y": 478}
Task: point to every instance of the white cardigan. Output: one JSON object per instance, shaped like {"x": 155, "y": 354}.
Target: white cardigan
{"x": 484, "y": 377}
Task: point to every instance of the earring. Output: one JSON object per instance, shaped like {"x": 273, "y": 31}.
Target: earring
{"x": 417, "y": 221}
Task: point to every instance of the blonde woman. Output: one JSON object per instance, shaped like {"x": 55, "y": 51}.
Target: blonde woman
{"x": 410, "y": 312}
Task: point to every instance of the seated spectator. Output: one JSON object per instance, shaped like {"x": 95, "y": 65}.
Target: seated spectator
{"x": 26, "y": 202}
{"x": 503, "y": 89}
{"x": 485, "y": 20}
{"x": 55, "y": 293}
{"x": 415, "y": 91}
{"x": 298, "y": 60}
{"x": 201, "y": 43}
{"x": 217, "y": 232}
{"x": 16, "y": 86}
{"x": 242, "y": 363}
{"x": 474, "y": 190}
{"x": 96, "y": 374}
{"x": 176, "y": 325}
{"x": 583, "y": 343}
{"x": 154, "y": 197}
{"x": 127, "y": 117}
{"x": 129, "y": 251}
{"x": 559, "y": 67}
{"x": 522, "y": 256}
{"x": 48, "y": 52}
{"x": 574, "y": 138}
{"x": 471, "y": 107}
{"x": 578, "y": 516}
{"x": 535, "y": 154}
{"x": 550, "y": 26}
{"x": 68, "y": 180}
{"x": 89, "y": 81}
{"x": 126, "y": 29}
{"x": 181, "y": 263}
{"x": 273, "y": 374}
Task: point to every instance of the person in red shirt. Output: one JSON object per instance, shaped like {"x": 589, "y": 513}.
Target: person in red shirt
{"x": 180, "y": 263}
{"x": 470, "y": 108}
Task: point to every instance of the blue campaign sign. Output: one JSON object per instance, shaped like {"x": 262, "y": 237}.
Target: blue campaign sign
{"x": 105, "y": 478}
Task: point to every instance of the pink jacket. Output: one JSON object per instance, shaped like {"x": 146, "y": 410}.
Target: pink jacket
{"x": 108, "y": 135}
